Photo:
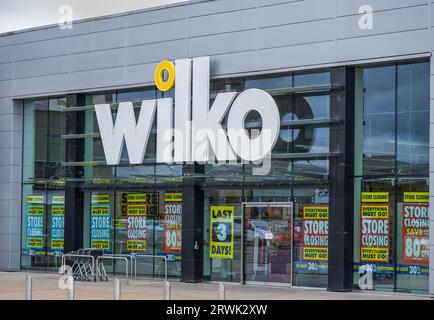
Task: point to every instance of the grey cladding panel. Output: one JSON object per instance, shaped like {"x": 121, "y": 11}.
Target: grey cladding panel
{"x": 345, "y": 7}
{"x": 295, "y": 34}
{"x": 389, "y": 21}
{"x": 293, "y": 12}
{"x": 41, "y": 49}
{"x": 43, "y": 85}
{"x": 271, "y": 2}
{"x": 233, "y": 63}
{"x": 140, "y": 73}
{"x": 8, "y": 156}
{"x": 222, "y": 22}
{"x": 383, "y": 45}
{"x": 239, "y": 35}
{"x": 98, "y": 25}
{"x": 98, "y": 41}
{"x": 6, "y": 71}
{"x": 5, "y": 88}
{"x": 41, "y": 34}
{"x": 6, "y": 54}
{"x": 157, "y": 32}
{"x": 222, "y": 43}
{"x": 296, "y": 56}
{"x": 217, "y": 6}
{"x": 157, "y": 15}
{"x": 10, "y": 122}
{"x": 7, "y": 40}
{"x": 10, "y": 209}
{"x": 10, "y": 174}
{"x": 6, "y": 106}
{"x": 97, "y": 78}
{"x": 38, "y": 67}
{"x": 155, "y": 52}
{"x": 92, "y": 60}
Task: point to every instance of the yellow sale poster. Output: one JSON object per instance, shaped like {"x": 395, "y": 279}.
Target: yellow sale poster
{"x": 222, "y": 232}
{"x": 375, "y": 233}
{"x": 315, "y": 233}
{"x": 172, "y": 225}
{"x": 136, "y": 227}
{"x": 415, "y": 234}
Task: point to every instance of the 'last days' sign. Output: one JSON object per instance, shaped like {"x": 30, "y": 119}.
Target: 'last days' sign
{"x": 222, "y": 232}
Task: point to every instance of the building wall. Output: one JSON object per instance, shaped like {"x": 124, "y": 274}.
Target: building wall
{"x": 242, "y": 37}
{"x": 431, "y": 157}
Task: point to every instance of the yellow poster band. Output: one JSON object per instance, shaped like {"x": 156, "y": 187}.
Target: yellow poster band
{"x": 375, "y": 197}
{"x": 416, "y": 197}
{"x": 164, "y": 85}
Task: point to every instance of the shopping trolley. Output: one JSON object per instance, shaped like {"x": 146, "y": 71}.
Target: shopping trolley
{"x": 83, "y": 264}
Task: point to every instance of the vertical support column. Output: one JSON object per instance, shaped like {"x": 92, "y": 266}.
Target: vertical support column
{"x": 192, "y": 230}
{"x": 74, "y": 152}
{"x": 341, "y": 219}
{"x": 11, "y": 147}
{"x": 431, "y": 159}
{"x": 431, "y": 184}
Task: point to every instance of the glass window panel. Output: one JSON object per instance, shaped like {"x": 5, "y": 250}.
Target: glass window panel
{"x": 310, "y": 171}
{"x": 309, "y": 272}
{"x": 413, "y": 119}
{"x": 34, "y": 228}
{"x": 379, "y": 121}
{"x": 100, "y": 98}
{"x": 222, "y": 269}
{"x": 29, "y": 141}
{"x": 41, "y": 137}
{"x": 56, "y": 145}
{"x": 312, "y": 79}
{"x": 312, "y": 107}
{"x": 136, "y": 96}
{"x": 374, "y": 238}
{"x": 285, "y": 104}
{"x": 412, "y": 236}
{"x": 168, "y": 232}
{"x": 227, "y": 85}
{"x": 264, "y": 83}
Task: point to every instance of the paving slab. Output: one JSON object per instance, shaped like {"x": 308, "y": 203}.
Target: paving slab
{"x": 45, "y": 287}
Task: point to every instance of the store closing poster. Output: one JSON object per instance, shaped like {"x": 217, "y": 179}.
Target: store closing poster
{"x": 415, "y": 228}
{"x": 57, "y": 224}
{"x": 375, "y": 228}
{"x": 315, "y": 233}
{"x": 172, "y": 222}
{"x": 35, "y": 221}
{"x": 222, "y": 232}
{"x": 138, "y": 205}
{"x": 100, "y": 221}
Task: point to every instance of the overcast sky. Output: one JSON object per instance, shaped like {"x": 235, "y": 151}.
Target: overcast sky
{"x": 23, "y": 14}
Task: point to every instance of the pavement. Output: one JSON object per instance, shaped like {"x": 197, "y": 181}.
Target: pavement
{"x": 45, "y": 287}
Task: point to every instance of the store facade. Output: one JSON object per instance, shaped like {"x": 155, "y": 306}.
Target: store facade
{"x": 326, "y": 184}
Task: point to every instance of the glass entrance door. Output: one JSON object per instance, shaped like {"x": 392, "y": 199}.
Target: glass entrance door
{"x": 267, "y": 242}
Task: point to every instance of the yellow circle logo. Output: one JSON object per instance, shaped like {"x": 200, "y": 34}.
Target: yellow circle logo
{"x": 161, "y": 83}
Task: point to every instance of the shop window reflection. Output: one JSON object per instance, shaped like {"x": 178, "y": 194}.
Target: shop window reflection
{"x": 396, "y": 139}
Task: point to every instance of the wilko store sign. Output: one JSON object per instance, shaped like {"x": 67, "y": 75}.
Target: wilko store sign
{"x": 415, "y": 234}
{"x": 375, "y": 233}
{"x": 315, "y": 233}
{"x": 188, "y": 128}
